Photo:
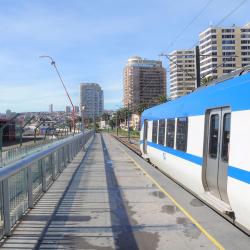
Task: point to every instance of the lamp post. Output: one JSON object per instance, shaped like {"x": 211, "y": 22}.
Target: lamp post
{"x": 2, "y": 129}
{"x": 53, "y": 63}
{"x": 128, "y": 121}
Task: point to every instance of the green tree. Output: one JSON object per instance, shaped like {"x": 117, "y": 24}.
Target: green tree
{"x": 161, "y": 99}
{"x": 141, "y": 108}
{"x": 105, "y": 116}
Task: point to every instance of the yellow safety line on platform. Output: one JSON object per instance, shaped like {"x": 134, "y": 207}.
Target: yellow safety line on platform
{"x": 189, "y": 216}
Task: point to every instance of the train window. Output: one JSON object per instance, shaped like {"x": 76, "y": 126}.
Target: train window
{"x": 182, "y": 134}
{"x": 161, "y": 136}
{"x": 170, "y": 133}
{"x": 154, "y": 131}
{"x": 225, "y": 136}
{"x": 213, "y": 138}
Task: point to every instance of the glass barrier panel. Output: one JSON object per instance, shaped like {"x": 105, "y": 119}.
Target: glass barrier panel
{"x": 37, "y": 179}
{"x": 18, "y": 195}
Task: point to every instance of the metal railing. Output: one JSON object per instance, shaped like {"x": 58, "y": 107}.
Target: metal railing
{"x": 16, "y": 153}
{"x": 23, "y": 182}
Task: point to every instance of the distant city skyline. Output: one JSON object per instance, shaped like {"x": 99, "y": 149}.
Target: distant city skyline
{"x": 91, "y": 41}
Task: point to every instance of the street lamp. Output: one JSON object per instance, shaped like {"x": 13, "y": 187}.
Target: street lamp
{"x": 53, "y": 63}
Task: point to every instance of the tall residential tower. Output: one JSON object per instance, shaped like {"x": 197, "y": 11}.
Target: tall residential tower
{"x": 182, "y": 73}
{"x": 224, "y": 50}
{"x": 91, "y": 100}
{"x": 143, "y": 82}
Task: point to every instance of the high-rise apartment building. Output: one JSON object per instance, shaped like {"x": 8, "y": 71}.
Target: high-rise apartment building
{"x": 68, "y": 110}
{"x": 91, "y": 100}
{"x": 51, "y": 108}
{"x": 224, "y": 49}
{"x": 77, "y": 109}
{"x": 182, "y": 73}
{"x": 143, "y": 82}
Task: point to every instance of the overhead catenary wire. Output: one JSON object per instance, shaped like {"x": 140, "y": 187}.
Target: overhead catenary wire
{"x": 231, "y": 12}
{"x": 191, "y": 22}
{"x": 225, "y": 17}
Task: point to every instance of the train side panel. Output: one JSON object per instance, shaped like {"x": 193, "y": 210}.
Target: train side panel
{"x": 239, "y": 167}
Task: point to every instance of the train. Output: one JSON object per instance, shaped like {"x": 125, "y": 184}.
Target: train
{"x": 202, "y": 141}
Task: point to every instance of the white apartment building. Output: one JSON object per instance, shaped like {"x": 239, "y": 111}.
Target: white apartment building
{"x": 182, "y": 72}
{"x": 224, "y": 50}
{"x": 91, "y": 100}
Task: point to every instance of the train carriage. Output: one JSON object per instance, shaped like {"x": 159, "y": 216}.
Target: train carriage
{"x": 202, "y": 140}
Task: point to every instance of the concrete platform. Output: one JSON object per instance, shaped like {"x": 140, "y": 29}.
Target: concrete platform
{"x": 107, "y": 201}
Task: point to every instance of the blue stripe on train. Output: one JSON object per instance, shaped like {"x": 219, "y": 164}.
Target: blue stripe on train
{"x": 236, "y": 173}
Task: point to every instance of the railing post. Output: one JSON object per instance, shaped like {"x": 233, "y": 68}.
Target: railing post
{"x": 43, "y": 167}
{"x": 64, "y": 158}
{"x": 30, "y": 187}
{"x": 6, "y": 208}
{"x": 59, "y": 160}
{"x": 68, "y": 153}
{"x": 53, "y": 166}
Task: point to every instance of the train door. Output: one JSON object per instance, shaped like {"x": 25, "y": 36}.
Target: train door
{"x": 145, "y": 136}
{"x": 216, "y": 152}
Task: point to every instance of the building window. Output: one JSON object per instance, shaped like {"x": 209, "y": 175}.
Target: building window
{"x": 170, "y": 133}
{"x": 154, "y": 131}
{"x": 182, "y": 134}
{"x": 161, "y": 136}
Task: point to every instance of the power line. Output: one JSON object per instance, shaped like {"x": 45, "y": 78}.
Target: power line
{"x": 191, "y": 22}
{"x": 231, "y": 12}
{"x": 226, "y": 17}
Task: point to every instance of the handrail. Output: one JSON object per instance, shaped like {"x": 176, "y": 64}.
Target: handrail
{"x": 24, "y": 181}
{"x": 11, "y": 169}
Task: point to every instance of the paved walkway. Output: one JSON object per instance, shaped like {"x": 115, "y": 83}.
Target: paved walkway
{"x": 108, "y": 203}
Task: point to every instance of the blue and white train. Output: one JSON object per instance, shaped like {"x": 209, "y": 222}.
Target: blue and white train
{"x": 202, "y": 140}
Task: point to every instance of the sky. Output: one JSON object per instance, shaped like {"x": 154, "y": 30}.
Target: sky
{"x": 91, "y": 40}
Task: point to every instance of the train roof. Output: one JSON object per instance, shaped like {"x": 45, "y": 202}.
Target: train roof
{"x": 234, "y": 92}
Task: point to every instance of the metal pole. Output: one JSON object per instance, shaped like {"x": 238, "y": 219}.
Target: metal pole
{"x": 128, "y": 126}
{"x": 197, "y": 66}
{"x": 117, "y": 123}
{"x": 53, "y": 63}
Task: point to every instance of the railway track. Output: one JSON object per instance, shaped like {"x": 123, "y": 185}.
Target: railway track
{"x": 133, "y": 147}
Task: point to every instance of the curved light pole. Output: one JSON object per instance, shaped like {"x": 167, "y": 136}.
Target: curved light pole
{"x": 53, "y": 63}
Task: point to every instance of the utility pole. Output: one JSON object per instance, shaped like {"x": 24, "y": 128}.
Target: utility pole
{"x": 116, "y": 123}
{"x": 128, "y": 117}
{"x": 197, "y": 67}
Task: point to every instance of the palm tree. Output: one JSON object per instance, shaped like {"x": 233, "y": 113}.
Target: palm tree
{"x": 161, "y": 99}
{"x": 105, "y": 116}
{"x": 141, "y": 108}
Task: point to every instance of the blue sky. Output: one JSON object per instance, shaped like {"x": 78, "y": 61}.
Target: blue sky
{"x": 91, "y": 41}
